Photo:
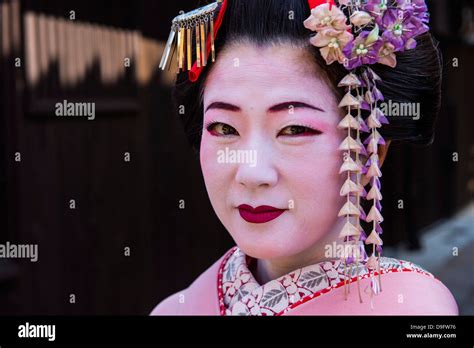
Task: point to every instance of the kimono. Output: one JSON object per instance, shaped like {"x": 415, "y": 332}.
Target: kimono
{"x": 229, "y": 288}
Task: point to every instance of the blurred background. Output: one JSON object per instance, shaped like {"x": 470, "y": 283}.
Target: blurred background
{"x": 103, "y": 198}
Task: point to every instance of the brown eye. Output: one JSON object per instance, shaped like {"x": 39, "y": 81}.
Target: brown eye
{"x": 221, "y": 129}
{"x": 298, "y": 130}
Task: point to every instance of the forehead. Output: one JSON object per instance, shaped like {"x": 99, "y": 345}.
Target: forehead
{"x": 273, "y": 71}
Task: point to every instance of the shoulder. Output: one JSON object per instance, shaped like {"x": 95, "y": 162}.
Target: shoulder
{"x": 408, "y": 289}
{"x": 200, "y": 298}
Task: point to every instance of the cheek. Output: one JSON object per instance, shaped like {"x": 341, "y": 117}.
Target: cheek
{"x": 319, "y": 164}
{"x": 315, "y": 182}
{"x": 205, "y": 156}
{"x": 208, "y": 160}
{"x": 216, "y": 175}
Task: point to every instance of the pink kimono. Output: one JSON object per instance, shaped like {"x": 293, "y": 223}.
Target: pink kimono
{"x": 229, "y": 288}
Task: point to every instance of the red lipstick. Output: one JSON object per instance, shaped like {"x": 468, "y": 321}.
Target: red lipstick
{"x": 259, "y": 215}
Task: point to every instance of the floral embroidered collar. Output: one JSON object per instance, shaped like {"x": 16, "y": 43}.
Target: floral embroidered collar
{"x": 240, "y": 294}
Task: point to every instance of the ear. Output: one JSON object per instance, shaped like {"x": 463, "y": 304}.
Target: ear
{"x": 383, "y": 150}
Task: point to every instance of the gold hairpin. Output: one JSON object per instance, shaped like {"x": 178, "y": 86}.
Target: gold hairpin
{"x": 199, "y": 21}
{"x": 188, "y": 47}
{"x": 198, "y": 47}
{"x": 203, "y": 44}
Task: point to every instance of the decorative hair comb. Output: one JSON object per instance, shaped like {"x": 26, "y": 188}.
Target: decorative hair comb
{"x": 196, "y": 30}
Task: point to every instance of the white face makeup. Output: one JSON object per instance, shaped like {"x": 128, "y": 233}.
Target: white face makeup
{"x": 270, "y": 141}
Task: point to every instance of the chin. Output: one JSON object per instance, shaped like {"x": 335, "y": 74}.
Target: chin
{"x": 266, "y": 244}
{"x": 269, "y": 250}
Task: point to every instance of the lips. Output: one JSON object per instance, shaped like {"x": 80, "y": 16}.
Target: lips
{"x": 259, "y": 215}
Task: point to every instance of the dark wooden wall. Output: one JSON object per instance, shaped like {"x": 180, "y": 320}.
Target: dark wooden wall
{"x": 136, "y": 204}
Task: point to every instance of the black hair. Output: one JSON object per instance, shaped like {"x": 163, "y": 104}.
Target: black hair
{"x": 416, "y": 78}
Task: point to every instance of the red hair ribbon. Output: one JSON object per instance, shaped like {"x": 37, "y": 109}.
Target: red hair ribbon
{"x": 195, "y": 71}
{"x": 314, "y": 3}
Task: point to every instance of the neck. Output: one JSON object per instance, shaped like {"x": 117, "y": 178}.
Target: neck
{"x": 267, "y": 270}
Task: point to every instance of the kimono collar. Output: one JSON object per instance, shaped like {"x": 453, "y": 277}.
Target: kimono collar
{"x": 241, "y": 294}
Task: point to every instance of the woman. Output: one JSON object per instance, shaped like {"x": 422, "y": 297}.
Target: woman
{"x": 266, "y": 121}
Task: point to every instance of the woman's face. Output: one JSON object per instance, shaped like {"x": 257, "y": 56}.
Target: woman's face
{"x": 269, "y": 150}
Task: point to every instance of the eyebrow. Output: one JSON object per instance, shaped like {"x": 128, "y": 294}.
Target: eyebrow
{"x": 274, "y": 108}
{"x": 223, "y": 106}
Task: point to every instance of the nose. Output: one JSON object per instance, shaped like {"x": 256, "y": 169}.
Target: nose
{"x": 263, "y": 174}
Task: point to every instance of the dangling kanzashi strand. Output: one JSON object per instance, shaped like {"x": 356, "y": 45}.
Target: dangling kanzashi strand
{"x": 352, "y": 169}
